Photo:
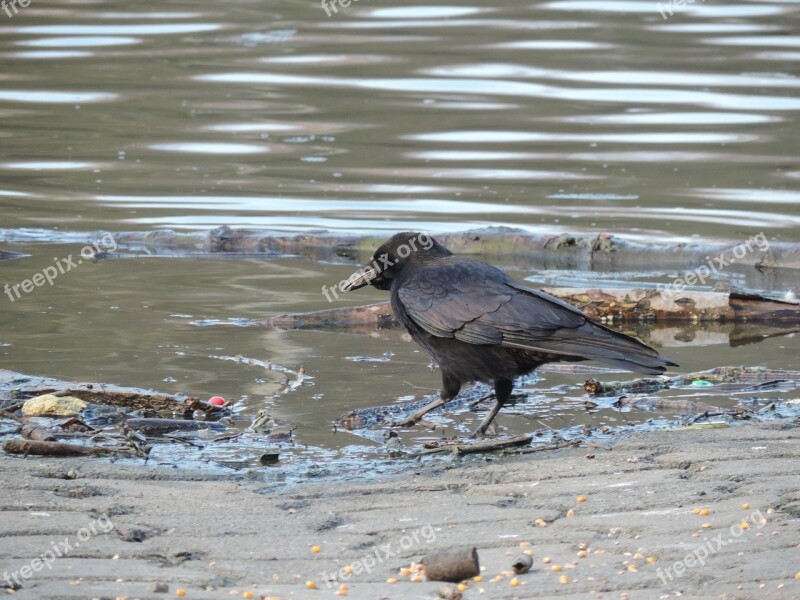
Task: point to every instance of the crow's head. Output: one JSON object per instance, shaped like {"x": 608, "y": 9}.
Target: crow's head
{"x": 392, "y": 256}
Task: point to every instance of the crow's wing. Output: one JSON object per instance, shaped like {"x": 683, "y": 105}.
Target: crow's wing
{"x": 478, "y": 304}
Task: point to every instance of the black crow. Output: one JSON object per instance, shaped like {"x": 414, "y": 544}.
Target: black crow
{"x": 479, "y": 324}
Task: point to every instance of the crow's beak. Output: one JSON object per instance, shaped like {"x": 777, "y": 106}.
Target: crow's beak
{"x": 360, "y": 278}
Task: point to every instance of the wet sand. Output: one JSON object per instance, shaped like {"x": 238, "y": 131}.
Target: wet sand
{"x": 219, "y": 538}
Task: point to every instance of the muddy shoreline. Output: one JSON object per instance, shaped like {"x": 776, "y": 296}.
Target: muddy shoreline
{"x": 216, "y": 537}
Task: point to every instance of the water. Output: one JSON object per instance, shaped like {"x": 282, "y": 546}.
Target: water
{"x": 563, "y": 116}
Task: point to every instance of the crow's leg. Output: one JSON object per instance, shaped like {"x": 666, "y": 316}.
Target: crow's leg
{"x": 450, "y": 389}
{"x": 502, "y": 390}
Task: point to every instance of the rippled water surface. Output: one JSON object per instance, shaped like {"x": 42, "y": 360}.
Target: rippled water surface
{"x": 572, "y": 116}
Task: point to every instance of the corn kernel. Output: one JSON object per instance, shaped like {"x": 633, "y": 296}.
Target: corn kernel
{"x": 311, "y": 585}
{"x": 705, "y": 512}
{"x": 478, "y": 578}
{"x": 563, "y": 579}
{"x": 315, "y": 549}
{"x": 706, "y": 525}
{"x": 180, "y": 592}
{"x": 342, "y": 590}
{"x": 555, "y": 568}
{"x": 583, "y": 554}
{"x": 632, "y": 568}
{"x": 695, "y": 511}
{"x": 348, "y": 569}
{"x": 391, "y": 580}
{"x": 524, "y": 544}
{"x": 528, "y": 552}
{"x": 248, "y": 595}
{"x": 744, "y": 525}
{"x": 746, "y": 505}
{"x": 417, "y": 579}
{"x": 462, "y": 587}
{"x": 581, "y": 499}
{"x": 514, "y": 582}
{"x": 405, "y": 571}
{"x": 651, "y": 559}
{"x": 547, "y": 559}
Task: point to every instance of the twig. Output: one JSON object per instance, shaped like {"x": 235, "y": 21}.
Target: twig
{"x": 474, "y": 447}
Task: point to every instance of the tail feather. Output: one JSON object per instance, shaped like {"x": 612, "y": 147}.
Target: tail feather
{"x": 596, "y": 342}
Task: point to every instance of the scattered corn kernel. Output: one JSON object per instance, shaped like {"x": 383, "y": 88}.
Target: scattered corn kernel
{"x": 599, "y": 551}
{"x": 581, "y": 499}
{"x": 348, "y": 569}
{"x": 391, "y": 580}
{"x": 705, "y": 512}
{"x": 555, "y": 568}
{"x": 570, "y": 513}
{"x": 744, "y": 525}
{"x": 695, "y": 511}
{"x": 180, "y": 592}
{"x": 528, "y": 552}
{"x": 638, "y": 556}
{"x": 514, "y": 582}
{"x": 633, "y": 568}
{"x": 342, "y": 590}
{"x": 311, "y": 585}
{"x": 405, "y": 571}
{"x": 315, "y": 549}
{"x": 563, "y": 579}
{"x": 417, "y": 579}
{"x": 462, "y": 587}
{"x": 651, "y": 559}
{"x": 523, "y": 544}
{"x": 248, "y": 595}
{"x": 797, "y": 576}
{"x": 746, "y": 505}
{"x": 706, "y": 525}
{"x": 583, "y": 554}
{"x": 540, "y": 523}
{"x": 478, "y": 578}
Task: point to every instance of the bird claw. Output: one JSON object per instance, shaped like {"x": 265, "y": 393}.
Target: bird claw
{"x": 406, "y": 423}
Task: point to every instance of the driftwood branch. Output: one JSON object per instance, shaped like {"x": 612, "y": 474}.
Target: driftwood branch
{"x": 45, "y": 448}
{"x": 756, "y": 378}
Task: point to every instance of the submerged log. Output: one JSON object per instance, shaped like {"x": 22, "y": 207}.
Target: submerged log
{"x": 555, "y": 250}
{"x": 610, "y": 305}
